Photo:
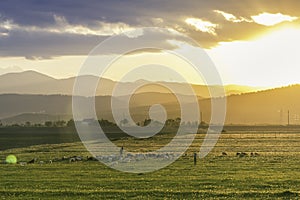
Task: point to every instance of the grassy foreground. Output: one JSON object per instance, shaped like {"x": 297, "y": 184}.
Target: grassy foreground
{"x": 274, "y": 174}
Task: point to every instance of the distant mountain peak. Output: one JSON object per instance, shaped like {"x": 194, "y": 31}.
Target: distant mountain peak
{"x": 33, "y": 82}
{"x": 28, "y": 73}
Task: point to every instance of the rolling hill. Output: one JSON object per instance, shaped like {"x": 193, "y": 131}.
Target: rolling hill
{"x": 31, "y": 82}
{"x": 263, "y": 107}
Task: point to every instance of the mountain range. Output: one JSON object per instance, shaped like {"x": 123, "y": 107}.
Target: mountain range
{"x": 34, "y": 97}
{"x": 31, "y": 82}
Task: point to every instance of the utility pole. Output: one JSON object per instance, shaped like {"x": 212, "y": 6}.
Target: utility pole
{"x": 281, "y": 118}
{"x": 288, "y": 117}
{"x": 201, "y": 119}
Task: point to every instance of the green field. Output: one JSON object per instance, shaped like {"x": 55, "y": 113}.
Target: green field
{"x": 274, "y": 174}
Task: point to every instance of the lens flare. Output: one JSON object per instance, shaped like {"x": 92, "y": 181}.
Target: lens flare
{"x": 11, "y": 159}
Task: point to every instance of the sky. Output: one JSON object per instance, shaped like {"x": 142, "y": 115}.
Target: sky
{"x": 251, "y": 42}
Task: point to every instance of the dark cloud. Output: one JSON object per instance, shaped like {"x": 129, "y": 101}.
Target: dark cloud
{"x": 134, "y": 13}
{"x": 44, "y": 45}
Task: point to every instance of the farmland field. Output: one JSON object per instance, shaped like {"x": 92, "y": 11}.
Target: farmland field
{"x": 272, "y": 174}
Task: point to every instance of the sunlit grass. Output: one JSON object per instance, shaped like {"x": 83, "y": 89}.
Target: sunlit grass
{"x": 274, "y": 174}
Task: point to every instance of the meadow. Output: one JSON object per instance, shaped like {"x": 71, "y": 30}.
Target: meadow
{"x": 273, "y": 174}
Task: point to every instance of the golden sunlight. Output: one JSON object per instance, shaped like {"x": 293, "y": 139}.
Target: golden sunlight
{"x": 201, "y": 25}
{"x": 269, "y": 19}
{"x": 271, "y": 60}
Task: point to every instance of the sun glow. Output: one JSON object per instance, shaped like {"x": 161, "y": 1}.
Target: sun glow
{"x": 269, "y": 19}
{"x": 271, "y": 60}
{"x": 201, "y": 25}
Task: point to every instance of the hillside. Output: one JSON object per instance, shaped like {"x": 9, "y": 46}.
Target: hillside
{"x": 34, "y": 118}
{"x": 31, "y": 82}
{"x": 264, "y": 107}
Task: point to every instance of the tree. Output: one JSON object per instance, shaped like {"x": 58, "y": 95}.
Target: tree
{"x": 177, "y": 121}
{"x": 71, "y": 123}
{"x": 60, "y": 123}
{"x": 147, "y": 121}
{"x": 106, "y": 123}
{"x": 48, "y": 123}
{"x": 37, "y": 125}
{"x": 170, "y": 122}
{"x": 124, "y": 122}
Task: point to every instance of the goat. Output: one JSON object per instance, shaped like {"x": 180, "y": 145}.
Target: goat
{"x": 32, "y": 161}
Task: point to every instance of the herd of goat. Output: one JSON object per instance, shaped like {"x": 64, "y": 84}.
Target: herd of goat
{"x": 243, "y": 154}
{"x": 129, "y": 157}
{"x": 126, "y": 158}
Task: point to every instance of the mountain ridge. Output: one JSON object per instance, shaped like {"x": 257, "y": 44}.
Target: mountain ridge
{"x": 32, "y": 82}
{"x": 263, "y": 107}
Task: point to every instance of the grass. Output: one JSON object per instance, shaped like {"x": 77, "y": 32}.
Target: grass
{"x": 275, "y": 174}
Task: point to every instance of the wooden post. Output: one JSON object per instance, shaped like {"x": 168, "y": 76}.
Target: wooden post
{"x": 121, "y": 151}
{"x": 195, "y": 159}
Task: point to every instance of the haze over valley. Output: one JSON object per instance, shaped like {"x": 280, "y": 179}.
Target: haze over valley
{"x": 37, "y": 98}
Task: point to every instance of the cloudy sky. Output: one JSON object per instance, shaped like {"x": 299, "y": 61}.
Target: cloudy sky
{"x": 251, "y": 42}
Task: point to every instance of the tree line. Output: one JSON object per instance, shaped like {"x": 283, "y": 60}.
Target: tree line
{"x": 105, "y": 123}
